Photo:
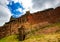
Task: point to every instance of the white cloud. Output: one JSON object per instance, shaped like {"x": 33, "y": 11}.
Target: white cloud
{"x": 26, "y": 3}
{"x": 4, "y": 2}
{"x": 39, "y": 5}
{"x": 5, "y": 15}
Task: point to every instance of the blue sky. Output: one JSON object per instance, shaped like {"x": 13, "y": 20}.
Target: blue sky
{"x": 13, "y": 7}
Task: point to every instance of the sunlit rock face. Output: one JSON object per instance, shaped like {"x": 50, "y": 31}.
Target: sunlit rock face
{"x": 32, "y": 22}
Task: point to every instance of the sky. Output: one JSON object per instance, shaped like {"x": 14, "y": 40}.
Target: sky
{"x": 17, "y": 8}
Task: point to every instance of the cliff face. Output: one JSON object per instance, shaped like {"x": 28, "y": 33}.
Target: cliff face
{"x": 31, "y": 21}
{"x": 49, "y": 16}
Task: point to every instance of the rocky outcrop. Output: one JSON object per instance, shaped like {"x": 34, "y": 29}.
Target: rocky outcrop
{"x": 30, "y": 21}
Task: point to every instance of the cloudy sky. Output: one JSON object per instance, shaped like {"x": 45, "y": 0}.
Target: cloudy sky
{"x": 29, "y": 5}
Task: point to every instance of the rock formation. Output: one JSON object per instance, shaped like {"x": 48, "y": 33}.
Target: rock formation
{"x": 31, "y": 21}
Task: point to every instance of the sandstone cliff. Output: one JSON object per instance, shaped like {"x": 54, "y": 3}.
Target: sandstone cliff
{"x": 32, "y": 21}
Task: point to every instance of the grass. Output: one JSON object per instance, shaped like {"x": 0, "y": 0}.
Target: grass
{"x": 44, "y": 38}
{"x": 34, "y": 38}
{"x": 12, "y": 38}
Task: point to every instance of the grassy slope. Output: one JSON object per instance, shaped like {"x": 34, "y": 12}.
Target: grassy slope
{"x": 36, "y": 38}
{"x": 12, "y": 38}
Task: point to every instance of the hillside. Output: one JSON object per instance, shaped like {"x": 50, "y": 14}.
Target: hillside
{"x": 34, "y": 22}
